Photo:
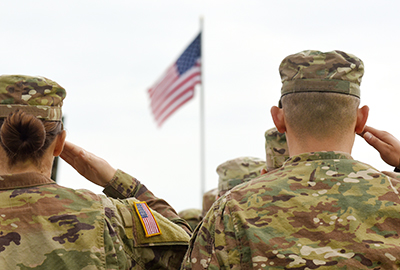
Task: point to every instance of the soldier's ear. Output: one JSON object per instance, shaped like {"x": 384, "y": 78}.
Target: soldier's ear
{"x": 279, "y": 119}
{"x": 60, "y": 141}
{"x": 362, "y": 116}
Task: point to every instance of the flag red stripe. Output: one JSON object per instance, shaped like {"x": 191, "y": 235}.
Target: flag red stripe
{"x": 169, "y": 77}
{"x": 164, "y": 117}
{"x": 160, "y": 122}
{"x": 172, "y": 87}
{"x": 171, "y": 106}
{"x": 163, "y": 104}
{"x": 162, "y": 93}
{"x": 189, "y": 85}
{"x": 176, "y": 95}
{"x": 179, "y": 83}
{"x": 162, "y": 77}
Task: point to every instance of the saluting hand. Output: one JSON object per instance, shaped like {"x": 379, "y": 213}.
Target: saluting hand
{"x": 92, "y": 167}
{"x": 386, "y": 144}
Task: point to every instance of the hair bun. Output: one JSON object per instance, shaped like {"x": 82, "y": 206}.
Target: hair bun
{"x": 22, "y": 134}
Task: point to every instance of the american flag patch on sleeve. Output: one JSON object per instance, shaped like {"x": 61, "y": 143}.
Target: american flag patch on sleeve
{"x": 147, "y": 219}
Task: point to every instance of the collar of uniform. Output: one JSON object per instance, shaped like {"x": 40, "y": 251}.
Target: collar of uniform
{"x": 318, "y": 156}
{"x": 21, "y": 180}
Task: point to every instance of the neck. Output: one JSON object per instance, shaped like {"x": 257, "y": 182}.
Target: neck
{"x": 304, "y": 144}
{"x": 44, "y": 167}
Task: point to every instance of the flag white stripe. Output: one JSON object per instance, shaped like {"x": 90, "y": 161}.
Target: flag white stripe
{"x": 166, "y": 81}
{"x": 176, "y": 105}
{"x": 174, "y": 87}
{"x": 170, "y": 87}
{"x": 164, "y": 103}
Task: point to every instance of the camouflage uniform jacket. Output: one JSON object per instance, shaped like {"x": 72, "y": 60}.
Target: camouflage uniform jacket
{"x": 47, "y": 226}
{"x": 321, "y": 210}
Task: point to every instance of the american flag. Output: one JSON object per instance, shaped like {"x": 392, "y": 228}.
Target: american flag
{"x": 176, "y": 85}
{"x": 150, "y": 224}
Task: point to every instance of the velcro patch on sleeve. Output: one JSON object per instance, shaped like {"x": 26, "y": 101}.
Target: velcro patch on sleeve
{"x": 147, "y": 219}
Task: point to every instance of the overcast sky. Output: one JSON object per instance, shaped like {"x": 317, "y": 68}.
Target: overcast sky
{"x": 108, "y": 53}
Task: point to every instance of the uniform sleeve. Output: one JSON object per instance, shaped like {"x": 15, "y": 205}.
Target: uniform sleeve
{"x": 127, "y": 243}
{"x": 124, "y": 186}
{"x": 213, "y": 244}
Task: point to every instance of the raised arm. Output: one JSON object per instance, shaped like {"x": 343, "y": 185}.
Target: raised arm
{"x": 116, "y": 183}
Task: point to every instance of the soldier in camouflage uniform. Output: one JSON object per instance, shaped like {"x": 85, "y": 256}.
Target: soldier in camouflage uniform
{"x": 231, "y": 173}
{"x": 226, "y": 182}
{"x": 47, "y": 226}
{"x": 276, "y": 149}
{"x": 237, "y": 171}
{"x": 193, "y": 216}
{"x": 322, "y": 209}
{"x": 209, "y": 198}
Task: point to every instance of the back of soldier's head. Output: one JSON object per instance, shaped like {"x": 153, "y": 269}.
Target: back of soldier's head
{"x": 321, "y": 91}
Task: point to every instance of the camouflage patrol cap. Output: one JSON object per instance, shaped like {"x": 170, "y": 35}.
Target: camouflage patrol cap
{"x": 209, "y": 198}
{"x": 236, "y": 171}
{"x": 35, "y": 95}
{"x": 192, "y": 216}
{"x": 276, "y": 149}
{"x": 315, "y": 71}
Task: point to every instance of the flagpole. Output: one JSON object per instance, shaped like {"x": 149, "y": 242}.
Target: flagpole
{"x": 202, "y": 134}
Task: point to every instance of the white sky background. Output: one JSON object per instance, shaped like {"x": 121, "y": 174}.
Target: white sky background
{"x": 108, "y": 53}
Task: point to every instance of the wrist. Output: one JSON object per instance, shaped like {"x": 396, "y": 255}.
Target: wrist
{"x": 109, "y": 176}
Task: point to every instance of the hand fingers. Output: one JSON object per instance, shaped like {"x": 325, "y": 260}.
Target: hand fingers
{"x": 388, "y": 153}
{"x": 72, "y": 149}
{"x": 67, "y": 157}
{"x": 363, "y": 132}
{"x": 374, "y": 141}
{"x": 380, "y": 134}
{"x": 73, "y": 155}
{"x": 370, "y": 130}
